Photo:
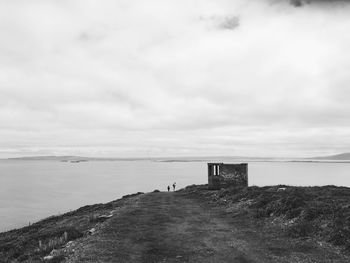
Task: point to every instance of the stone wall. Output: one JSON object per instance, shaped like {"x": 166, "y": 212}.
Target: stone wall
{"x": 222, "y": 175}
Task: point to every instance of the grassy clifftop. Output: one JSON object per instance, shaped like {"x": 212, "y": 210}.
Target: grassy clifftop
{"x": 321, "y": 213}
{"x": 302, "y": 215}
{"x": 34, "y": 242}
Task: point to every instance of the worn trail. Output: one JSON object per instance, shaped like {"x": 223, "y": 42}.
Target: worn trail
{"x": 171, "y": 227}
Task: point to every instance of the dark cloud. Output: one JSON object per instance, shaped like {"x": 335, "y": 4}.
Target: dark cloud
{"x": 299, "y": 3}
{"x": 296, "y": 3}
{"x": 229, "y": 23}
{"x": 225, "y": 22}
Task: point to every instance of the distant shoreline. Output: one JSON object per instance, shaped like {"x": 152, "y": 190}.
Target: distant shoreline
{"x": 338, "y": 158}
{"x": 224, "y": 159}
{"x": 263, "y": 161}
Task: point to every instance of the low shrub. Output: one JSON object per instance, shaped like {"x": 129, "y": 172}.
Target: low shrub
{"x": 294, "y": 212}
{"x": 56, "y": 239}
{"x": 300, "y": 229}
{"x": 340, "y": 237}
{"x": 340, "y": 230}
{"x": 57, "y": 259}
{"x": 93, "y": 218}
{"x": 289, "y": 203}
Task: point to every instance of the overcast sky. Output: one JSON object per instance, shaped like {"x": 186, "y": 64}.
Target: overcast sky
{"x": 174, "y": 78}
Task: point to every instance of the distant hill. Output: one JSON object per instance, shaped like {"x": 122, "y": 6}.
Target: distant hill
{"x": 157, "y": 159}
{"x": 51, "y": 158}
{"x": 337, "y": 157}
{"x": 71, "y": 158}
{"x": 340, "y": 157}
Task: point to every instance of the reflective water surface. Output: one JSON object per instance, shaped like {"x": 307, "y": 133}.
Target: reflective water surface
{"x": 32, "y": 190}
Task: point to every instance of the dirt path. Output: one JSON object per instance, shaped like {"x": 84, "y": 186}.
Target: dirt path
{"x": 170, "y": 227}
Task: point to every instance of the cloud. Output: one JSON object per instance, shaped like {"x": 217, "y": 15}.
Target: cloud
{"x": 222, "y": 22}
{"x": 300, "y": 3}
{"x": 173, "y": 78}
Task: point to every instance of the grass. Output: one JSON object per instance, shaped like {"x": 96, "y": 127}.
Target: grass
{"x": 307, "y": 212}
{"x": 35, "y": 241}
{"x": 32, "y": 243}
{"x": 321, "y": 213}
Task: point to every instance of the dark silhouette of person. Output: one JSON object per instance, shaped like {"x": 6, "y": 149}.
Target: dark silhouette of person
{"x": 168, "y": 188}
{"x": 174, "y": 185}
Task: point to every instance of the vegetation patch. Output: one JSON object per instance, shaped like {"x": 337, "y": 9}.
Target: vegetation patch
{"x": 306, "y": 212}
{"x": 34, "y": 242}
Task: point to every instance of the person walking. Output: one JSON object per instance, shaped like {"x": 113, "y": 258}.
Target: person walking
{"x": 168, "y": 188}
{"x": 174, "y": 185}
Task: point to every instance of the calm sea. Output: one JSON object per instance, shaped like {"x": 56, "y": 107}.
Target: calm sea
{"x": 32, "y": 190}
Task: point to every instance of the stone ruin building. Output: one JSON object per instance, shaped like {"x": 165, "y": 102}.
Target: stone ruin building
{"x": 221, "y": 175}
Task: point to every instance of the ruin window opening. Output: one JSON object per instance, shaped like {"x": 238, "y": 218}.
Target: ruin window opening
{"x": 216, "y": 170}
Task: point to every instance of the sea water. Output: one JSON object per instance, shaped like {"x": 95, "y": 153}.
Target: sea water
{"x": 32, "y": 190}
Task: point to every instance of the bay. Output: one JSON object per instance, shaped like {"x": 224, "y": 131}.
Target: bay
{"x": 33, "y": 190}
